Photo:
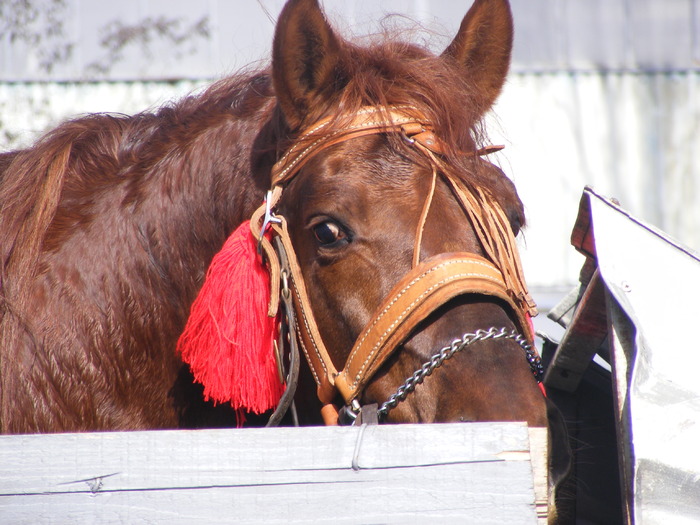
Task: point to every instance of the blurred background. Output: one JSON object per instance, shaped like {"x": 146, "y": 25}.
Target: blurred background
{"x": 601, "y": 92}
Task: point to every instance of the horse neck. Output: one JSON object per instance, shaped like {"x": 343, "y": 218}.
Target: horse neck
{"x": 213, "y": 175}
{"x": 137, "y": 208}
{"x": 210, "y": 191}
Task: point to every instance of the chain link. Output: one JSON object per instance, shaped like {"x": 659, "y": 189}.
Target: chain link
{"x": 457, "y": 346}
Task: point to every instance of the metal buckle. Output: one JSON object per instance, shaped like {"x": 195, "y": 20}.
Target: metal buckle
{"x": 348, "y": 414}
{"x": 267, "y": 220}
{"x": 405, "y": 137}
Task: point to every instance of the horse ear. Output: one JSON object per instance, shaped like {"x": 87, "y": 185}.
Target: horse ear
{"x": 305, "y": 60}
{"x": 483, "y": 47}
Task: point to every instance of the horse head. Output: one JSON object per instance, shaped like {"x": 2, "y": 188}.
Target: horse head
{"x": 387, "y": 233}
{"x": 383, "y": 185}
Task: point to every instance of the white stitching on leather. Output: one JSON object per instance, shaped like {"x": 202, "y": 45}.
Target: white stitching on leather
{"x": 411, "y": 306}
{"x": 311, "y": 337}
{"x": 366, "y": 124}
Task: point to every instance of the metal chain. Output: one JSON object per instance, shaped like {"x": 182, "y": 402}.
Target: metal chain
{"x": 457, "y": 346}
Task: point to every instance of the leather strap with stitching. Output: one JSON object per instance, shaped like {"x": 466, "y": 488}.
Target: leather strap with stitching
{"x": 367, "y": 121}
{"x": 316, "y": 353}
{"x": 423, "y": 290}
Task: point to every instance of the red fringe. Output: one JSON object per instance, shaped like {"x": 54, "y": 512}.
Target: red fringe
{"x": 228, "y": 339}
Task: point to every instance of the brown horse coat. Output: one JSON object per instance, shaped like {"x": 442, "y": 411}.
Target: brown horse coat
{"x": 108, "y": 224}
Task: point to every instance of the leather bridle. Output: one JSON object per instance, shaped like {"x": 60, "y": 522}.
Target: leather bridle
{"x": 426, "y": 287}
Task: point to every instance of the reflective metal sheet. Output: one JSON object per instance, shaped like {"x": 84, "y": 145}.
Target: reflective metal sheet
{"x": 654, "y": 289}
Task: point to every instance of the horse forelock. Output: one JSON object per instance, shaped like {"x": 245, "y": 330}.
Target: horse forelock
{"x": 399, "y": 73}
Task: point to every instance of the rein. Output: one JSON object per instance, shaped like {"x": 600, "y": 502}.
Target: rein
{"x": 427, "y": 286}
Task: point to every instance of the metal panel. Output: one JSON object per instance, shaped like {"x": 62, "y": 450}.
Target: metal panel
{"x": 657, "y": 284}
{"x": 652, "y": 285}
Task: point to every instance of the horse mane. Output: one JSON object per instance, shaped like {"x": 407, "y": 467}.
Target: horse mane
{"x": 49, "y": 189}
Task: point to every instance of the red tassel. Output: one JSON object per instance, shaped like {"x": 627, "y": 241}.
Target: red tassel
{"x": 228, "y": 339}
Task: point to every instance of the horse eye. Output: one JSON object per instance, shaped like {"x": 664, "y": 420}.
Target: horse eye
{"x": 328, "y": 233}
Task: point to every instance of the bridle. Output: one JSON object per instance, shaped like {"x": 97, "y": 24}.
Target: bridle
{"x": 426, "y": 287}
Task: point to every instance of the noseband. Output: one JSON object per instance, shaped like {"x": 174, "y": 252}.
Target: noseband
{"x": 426, "y": 287}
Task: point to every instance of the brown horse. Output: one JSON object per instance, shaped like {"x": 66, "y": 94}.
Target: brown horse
{"x": 108, "y": 225}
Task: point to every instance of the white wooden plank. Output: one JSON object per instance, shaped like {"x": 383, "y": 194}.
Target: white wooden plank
{"x": 539, "y": 446}
{"x": 56, "y": 461}
{"x": 420, "y": 494}
{"x": 406, "y": 473}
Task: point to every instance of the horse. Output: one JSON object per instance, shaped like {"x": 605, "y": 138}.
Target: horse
{"x": 366, "y": 163}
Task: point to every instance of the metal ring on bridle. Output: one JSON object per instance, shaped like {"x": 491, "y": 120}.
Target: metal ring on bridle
{"x": 267, "y": 220}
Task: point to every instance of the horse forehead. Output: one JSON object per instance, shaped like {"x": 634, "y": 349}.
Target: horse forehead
{"x": 368, "y": 170}
{"x": 363, "y": 165}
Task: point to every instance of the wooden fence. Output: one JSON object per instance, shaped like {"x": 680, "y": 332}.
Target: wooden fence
{"x": 451, "y": 473}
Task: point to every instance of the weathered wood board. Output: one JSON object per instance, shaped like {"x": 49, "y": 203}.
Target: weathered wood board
{"x": 452, "y": 473}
